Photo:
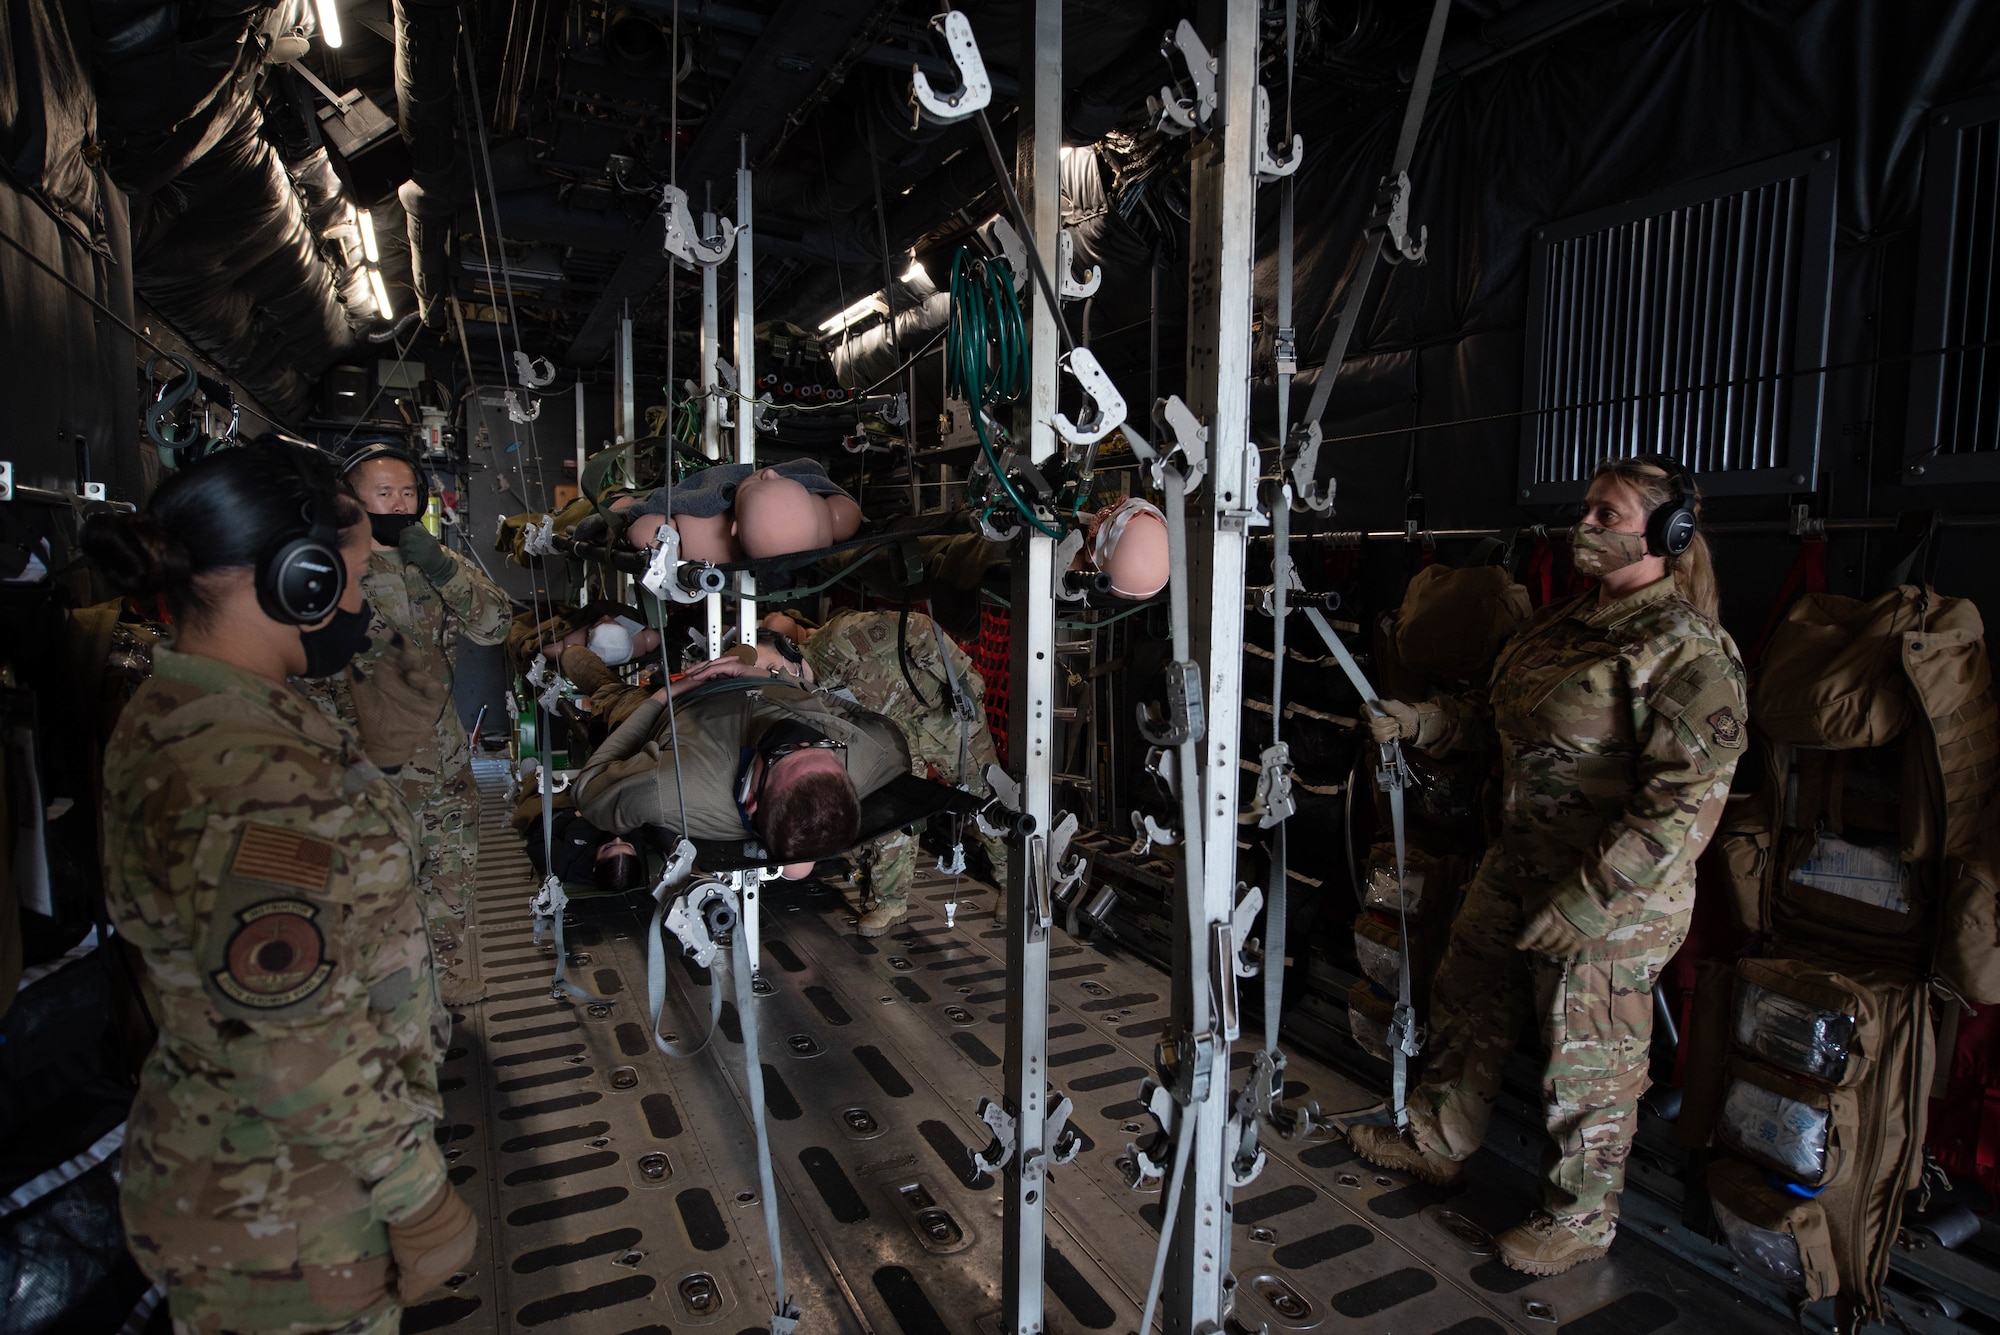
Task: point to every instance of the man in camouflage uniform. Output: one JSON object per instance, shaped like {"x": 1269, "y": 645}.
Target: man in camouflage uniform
{"x": 281, "y": 1147}
{"x": 856, "y": 653}
{"x": 431, "y": 596}
{"x": 1619, "y": 723}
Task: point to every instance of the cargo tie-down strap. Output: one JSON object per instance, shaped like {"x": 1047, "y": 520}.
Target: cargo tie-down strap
{"x": 712, "y": 923}
{"x": 548, "y": 906}
{"x": 1393, "y": 775}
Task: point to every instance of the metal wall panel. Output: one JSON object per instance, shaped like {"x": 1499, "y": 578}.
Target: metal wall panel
{"x": 1953, "y": 434}
{"x": 1692, "y": 323}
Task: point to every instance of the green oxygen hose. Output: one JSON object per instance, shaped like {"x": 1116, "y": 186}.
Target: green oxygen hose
{"x": 986, "y": 355}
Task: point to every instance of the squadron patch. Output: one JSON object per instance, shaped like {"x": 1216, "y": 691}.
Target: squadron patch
{"x": 282, "y": 857}
{"x": 276, "y": 957}
{"x": 1728, "y": 729}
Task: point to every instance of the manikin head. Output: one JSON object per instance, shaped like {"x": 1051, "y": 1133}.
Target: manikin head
{"x": 1129, "y": 543}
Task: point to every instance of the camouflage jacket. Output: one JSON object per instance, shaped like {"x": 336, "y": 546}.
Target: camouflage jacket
{"x": 855, "y": 653}
{"x": 264, "y": 871}
{"x": 432, "y": 617}
{"x": 1619, "y": 728}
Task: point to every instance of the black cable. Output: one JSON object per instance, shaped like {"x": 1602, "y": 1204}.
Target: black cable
{"x": 903, "y": 652}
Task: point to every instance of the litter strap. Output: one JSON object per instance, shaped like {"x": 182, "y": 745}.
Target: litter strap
{"x": 1393, "y": 776}
{"x": 656, "y": 988}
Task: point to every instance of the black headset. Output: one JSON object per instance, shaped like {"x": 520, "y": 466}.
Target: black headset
{"x": 1670, "y": 529}
{"x": 301, "y": 578}
{"x": 382, "y": 449}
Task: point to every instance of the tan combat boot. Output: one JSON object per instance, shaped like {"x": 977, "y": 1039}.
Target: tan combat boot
{"x": 878, "y": 920}
{"x": 1386, "y": 1147}
{"x": 455, "y": 989}
{"x": 1542, "y": 1244}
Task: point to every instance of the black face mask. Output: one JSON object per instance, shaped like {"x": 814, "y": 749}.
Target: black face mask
{"x": 333, "y": 646}
{"x": 387, "y": 527}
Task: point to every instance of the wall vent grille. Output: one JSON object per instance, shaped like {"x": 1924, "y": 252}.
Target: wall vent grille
{"x": 1691, "y": 324}
{"x": 1953, "y": 433}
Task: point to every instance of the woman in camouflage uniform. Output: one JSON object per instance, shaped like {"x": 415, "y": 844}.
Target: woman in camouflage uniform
{"x": 1619, "y": 716}
{"x": 280, "y": 1171}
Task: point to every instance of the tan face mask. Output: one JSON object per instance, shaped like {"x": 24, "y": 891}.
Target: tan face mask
{"x": 1598, "y": 551}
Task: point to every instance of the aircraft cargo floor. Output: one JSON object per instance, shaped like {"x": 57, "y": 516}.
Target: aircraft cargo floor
{"x": 617, "y": 1189}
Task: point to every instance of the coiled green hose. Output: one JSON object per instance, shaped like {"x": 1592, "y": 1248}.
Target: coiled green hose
{"x": 986, "y": 355}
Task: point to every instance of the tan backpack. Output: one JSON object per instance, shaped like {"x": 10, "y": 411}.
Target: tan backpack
{"x": 1883, "y": 740}
{"x": 1453, "y": 621}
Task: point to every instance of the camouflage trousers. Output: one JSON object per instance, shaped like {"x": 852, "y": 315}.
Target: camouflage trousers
{"x": 346, "y": 1290}
{"x": 1595, "y": 1020}
{"x": 447, "y": 808}
{"x": 894, "y": 856}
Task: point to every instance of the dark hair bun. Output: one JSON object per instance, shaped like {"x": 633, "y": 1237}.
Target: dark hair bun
{"x": 135, "y": 552}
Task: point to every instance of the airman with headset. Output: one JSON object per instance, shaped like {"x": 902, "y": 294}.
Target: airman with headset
{"x": 280, "y": 1168}
{"x": 425, "y": 597}
{"x": 1619, "y": 718}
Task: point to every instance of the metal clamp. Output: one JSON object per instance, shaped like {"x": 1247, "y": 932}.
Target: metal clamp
{"x": 1003, "y": 238}
{"x": 535, "y": 538}
{"x": 1188, "y": 438}
{"x": 1248, "y": 956}
{"x": 1070, "y": 286}
{"x": 1392, "y": 217}
{"x": 1065, "y": 589}
{"x": 1303, "y": 449}
{"x": 682, "y": 241}
{"x": 1271, "y": 167}
{"x": 975, "y": 89}
{"x": 1186, "y": 719}
{"x": 1065, "y": 1141}
{"x": 1173, "y": 113}
{"x": 679, "y": 863}
{"x": 701, "y": 915}
{"x": 1149, "y": 832}
{"x": 1001, "y": 1148}
{"x": 1274, "y": 801}
{"x": 669, "y": 577}
{"x": 520, "y": 410}
{"x": 1148, "y": 1162}
{"x": 1103, "y": 406}
{"x": 1247, "y": 1163}
{"x": 533, "y": 372}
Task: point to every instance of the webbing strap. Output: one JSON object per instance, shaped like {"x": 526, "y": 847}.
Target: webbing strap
{"x": 656, "y": 988}
{"x": 550, "y": 903}
{"x": 1394, "y": 776}
{"x": 1170, "y": 1210}
{"x": 786, "y": 1313}
{"x": 961, "y": 702}
{"x": 1357, "y": 287}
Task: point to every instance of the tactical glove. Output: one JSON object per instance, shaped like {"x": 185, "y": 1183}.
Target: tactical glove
{"x": 1553, "y": 936}
{"x": 433, "y": 1244}
{"x": 398, "y": 701}
{"x": 1422, "y": 723}
{"x": 426, "y": 553}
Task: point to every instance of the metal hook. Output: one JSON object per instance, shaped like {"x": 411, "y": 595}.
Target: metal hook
{"x": 975, "y": 89}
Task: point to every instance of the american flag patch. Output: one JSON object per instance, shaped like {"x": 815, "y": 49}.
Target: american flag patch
{"x": 282, "y": 857}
